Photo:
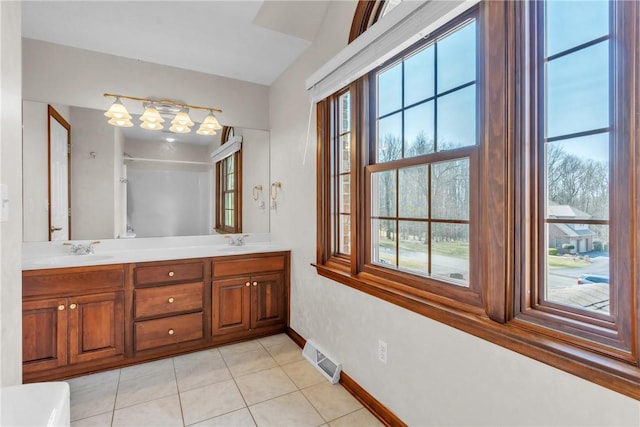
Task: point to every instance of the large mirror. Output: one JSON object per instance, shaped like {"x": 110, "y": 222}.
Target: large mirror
{"x": 131, "y": 182}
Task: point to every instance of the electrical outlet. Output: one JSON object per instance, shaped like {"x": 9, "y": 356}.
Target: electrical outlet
{"x": 382, "y": 351}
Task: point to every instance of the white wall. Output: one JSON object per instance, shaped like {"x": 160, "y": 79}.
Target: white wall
{"x": 77, "y": 77}
{"x": 34, "y": 185}
{"x": 93, "y": 180}
{"x": 11, "y": 174}
{"x": 255, "y": 171}
{"x": 435, "y": 375}
{"x": 93, "y": 185}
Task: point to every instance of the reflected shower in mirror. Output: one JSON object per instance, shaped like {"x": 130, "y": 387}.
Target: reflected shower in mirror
{"x": 133, "y": 182}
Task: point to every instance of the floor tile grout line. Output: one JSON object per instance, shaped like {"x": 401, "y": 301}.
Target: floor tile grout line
{"x": 239, "y": 391}
{"x": 115, "y": 399}
{"x": 234, "y": 378}
{"x": 175, "y": 374}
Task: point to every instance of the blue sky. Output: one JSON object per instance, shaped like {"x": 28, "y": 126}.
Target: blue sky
{"x": 578, "y": 97}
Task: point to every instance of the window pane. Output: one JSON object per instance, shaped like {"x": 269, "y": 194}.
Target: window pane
{"x": 344, "y": 236}
{"x": 578, "y": 178}
{"x": 413, "y": 192}
{"x": 572, "y": 23}
{"x": 229, "y": 164}
{"x": 457, "y": 119}
{"x": 450, "y": 252}
{"x": 228, "y": 214}
{"x": 414, "y": 247}
{"x": 345, "y": 113}
{"x": 450, "y": 189}
{"x": 230, "y": 182}
{"x": 383, "y": 193}
{"x": 390, "y": 90}
{"x": 345, "y": 194}
{"x": 228, "y": 200}
{"x": 390, "y": 138}
{"x": 577, "y": 266}
{"x": 418, "y": 76}
{"x": 345, "y": 154}
{"x": 578, "y": 91}
{"x": 383, "y": 242}
{"x": 419, "y": 130}
{"x": 457, "y": 58}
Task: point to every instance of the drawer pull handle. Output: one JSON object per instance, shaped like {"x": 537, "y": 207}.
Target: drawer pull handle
{"x": 171, "y": 274}
{"x": 255, "y": 283}
{"x": 247, "y": 284}
{"x": 72, "y": 306}
{"x": 171, "y": 300}
{"x": 61, "y": 307}
{"x": 171, "y": 332}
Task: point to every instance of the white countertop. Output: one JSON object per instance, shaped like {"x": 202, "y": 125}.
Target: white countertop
{"x": 43, "y": 255}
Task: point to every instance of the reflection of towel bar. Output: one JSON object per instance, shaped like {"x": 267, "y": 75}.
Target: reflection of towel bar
{"x": 181, "y": 162}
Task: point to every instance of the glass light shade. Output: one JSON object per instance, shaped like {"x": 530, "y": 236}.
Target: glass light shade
{"x": 151, "y": 115}
{"x": 182, "y": 119}
{"x": 151, "y": 125}
{"x": 210, "y": 122}
{"x": 118, "y": 111}
{"x": 205, "y": 131}
{"x": 123, "y": 123}
{"x": 177, "y": 128}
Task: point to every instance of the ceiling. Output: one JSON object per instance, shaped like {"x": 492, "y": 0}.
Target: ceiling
{"x": 252, "y": 40}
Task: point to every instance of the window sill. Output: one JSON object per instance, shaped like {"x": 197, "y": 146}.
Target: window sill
{"x": 516, "y": 335}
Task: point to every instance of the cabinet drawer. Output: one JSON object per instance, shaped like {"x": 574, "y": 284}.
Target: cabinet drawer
{"x": 248, "y": 266}
{"x": 170, "y": 299}
{"x": 169, "y": 330}
{"x": 188, "y": 272}
{"x": 72, "y": 281}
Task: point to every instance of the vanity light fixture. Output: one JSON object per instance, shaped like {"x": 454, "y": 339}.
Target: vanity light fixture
{"x": 209, "y": 125}
{"x": 152, "y": 118}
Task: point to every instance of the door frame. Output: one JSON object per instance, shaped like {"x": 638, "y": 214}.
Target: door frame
{"x": 52, "y": 113}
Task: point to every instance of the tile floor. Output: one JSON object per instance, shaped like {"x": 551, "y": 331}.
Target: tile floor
{"x": 264, "y": 382}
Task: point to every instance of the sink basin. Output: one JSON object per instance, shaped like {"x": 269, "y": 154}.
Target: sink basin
{"x": 72, "y": 259}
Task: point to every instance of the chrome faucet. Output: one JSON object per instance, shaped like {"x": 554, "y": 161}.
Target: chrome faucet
{"x": 82, "y": 248}
{"x": 236, "y": 240}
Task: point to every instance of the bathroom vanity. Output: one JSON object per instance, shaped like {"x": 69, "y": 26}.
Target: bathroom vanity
{"x": 88, "y": 313}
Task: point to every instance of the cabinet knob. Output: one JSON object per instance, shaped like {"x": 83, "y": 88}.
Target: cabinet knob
{"x": 171, "y": 332}
{"x": 170, "y": 300}
{"x": 247, "y": 284}
{"x": 255, "y": 283}
{"x": 171, "y": 274}
{"x": 61, "y": 306}
{"x": 73, "y": 306}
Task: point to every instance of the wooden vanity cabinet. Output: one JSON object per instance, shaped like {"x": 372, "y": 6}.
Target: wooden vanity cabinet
{"x": 86, "y": 319}
{"x": 71, "y": 317}
{"x": 168, "y": 304}
{"x": 249, "y": 294}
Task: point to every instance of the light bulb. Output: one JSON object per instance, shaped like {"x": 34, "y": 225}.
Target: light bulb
{"x": 117, "y": 110}
{"x": 182, "y": 119}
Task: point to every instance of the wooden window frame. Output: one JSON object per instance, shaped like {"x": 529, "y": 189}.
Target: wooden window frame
{"x": 237, "y": 198}
{"x": 504, "y": 314}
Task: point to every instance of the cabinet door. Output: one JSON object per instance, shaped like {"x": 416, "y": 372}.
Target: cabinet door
{"x": 44, "y": 334}
{"x": 231, "y": 304}
{"x": 96, "y": 326}
{"x": 267, "y": 300}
